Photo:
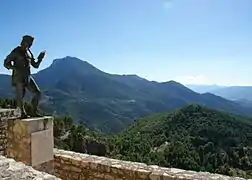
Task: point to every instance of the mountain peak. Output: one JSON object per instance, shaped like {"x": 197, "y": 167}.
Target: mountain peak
{"x": 73, "y": 63}
{"x": 67, "y": 58}
{"x": 134, "y": 76}
{"x": 176, "y": 85}
{"x": 65, "y": 67}
{"x": 172, "y": 82}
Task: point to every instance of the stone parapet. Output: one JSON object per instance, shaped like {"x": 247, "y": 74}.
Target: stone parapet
{"x": 7, "y": 113}
{"x": 12, "y": 170}
{"x": 76, "y": 166}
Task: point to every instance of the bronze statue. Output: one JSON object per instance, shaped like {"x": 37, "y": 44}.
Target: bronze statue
{"x": 19, "y": 61}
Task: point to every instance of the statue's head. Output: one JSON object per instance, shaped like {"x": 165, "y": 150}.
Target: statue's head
{"x": 27, "y": 41}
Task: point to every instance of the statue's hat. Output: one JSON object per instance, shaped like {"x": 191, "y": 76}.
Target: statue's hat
{"x": 28, "y": 38}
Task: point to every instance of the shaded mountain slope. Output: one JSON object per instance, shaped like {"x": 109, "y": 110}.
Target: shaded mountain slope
{"x": 106, "y": 102}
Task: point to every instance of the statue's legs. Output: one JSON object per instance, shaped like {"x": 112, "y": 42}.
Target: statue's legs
{"x": 20, "y": 93}
{"x": 34, "y": 89}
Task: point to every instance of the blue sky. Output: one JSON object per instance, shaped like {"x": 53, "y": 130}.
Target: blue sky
{"x": 191, "y": 41}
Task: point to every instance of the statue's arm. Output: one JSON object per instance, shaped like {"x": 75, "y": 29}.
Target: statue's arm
{"x": 40, "y": 58}
{"x": 34, "y": 63}
{"x": 9, "y": 59}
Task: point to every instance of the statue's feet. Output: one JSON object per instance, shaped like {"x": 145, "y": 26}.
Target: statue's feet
{"x": 24, "y": 115}
{"x": 36, "y": 114}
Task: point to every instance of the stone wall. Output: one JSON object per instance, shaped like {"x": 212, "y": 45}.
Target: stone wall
{"x": 75, "y": 166}
{"x": 5, "y": 114}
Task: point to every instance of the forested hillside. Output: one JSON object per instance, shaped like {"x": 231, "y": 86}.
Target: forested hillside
{"x": 192, "y": 138}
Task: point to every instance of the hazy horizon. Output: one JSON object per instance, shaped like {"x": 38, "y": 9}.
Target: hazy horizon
{"x": 191, "y": 42}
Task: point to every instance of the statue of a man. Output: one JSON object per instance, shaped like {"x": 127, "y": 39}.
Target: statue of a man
{"x": 19, "y": 61}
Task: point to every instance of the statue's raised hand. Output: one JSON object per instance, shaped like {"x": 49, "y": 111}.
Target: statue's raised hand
{"x": 42, "y": 55}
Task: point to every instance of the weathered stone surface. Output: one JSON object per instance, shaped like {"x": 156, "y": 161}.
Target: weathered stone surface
{"x": 41, "y": 147}
{"x": 47, "y": 167}
{"x": 76, "y": 166}
{"x": 11, "y": 170}
{"x": 5, "y": 114}
{"x": 8, "y": 113}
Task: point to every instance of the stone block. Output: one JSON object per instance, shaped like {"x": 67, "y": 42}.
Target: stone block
{"x": 41, "y": 147}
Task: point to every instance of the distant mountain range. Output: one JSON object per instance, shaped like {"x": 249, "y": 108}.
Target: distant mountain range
{"x": 241, "y": 94}
{"x": 204, "y": 88}
{"x": 237, "y": 93}
{"x": 108, "y": 103}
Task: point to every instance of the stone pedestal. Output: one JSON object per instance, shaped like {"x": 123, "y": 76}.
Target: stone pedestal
{"x": 31, "y": 142}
